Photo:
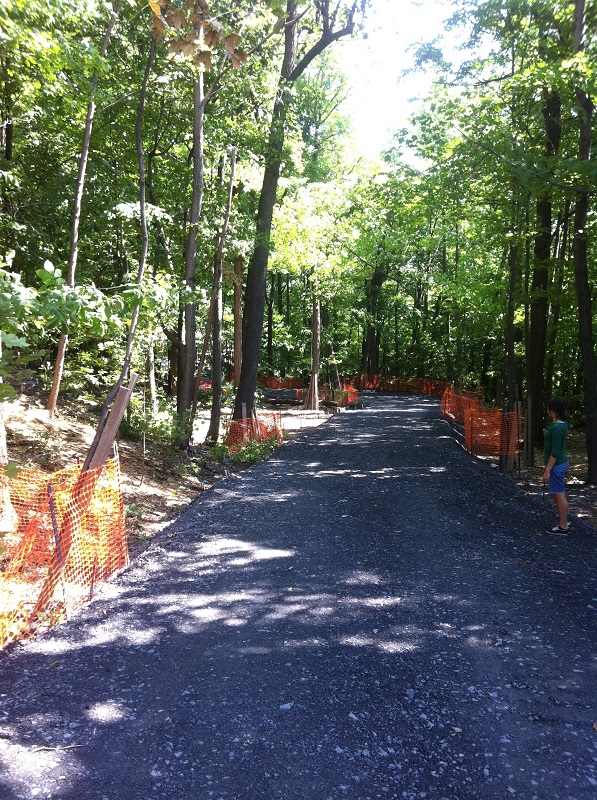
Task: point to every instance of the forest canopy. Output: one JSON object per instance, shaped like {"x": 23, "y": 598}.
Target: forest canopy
{"x": 168, "y": 169}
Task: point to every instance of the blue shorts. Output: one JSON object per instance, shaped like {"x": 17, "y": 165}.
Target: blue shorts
{"x": 556, "y": 479}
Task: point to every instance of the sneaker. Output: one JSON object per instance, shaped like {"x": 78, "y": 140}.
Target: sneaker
{"x": 557, "y": 531}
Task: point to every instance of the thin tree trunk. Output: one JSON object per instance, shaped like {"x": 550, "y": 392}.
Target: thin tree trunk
{"x": 312, "y": 398}
{"x": 288, "y": 301}
{"x": 257, "y": 272}
{"x": 539, "y": 302}
{"x": 370, "y": 356}
{"x": 270, "y": 325}
{"x": 142, "y": 259}
{"x": 216, "y": 376}
{"x": 560, "y": 255}
{"x": 396, "y": 342}
{"x": 77, "y": 204}
{"x": 8, "y": 516}
{"x": 10, "y": 87}
{"x": 186, "y": 378}
{"x": 202, "y": 357}
{"x": 509, "y": 327}
{"x": 151, "y": 382}
{"x": 581, "y": 274}
{"x": 238, "y": 318}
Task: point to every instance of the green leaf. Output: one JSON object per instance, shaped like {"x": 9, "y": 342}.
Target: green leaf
{"x": 7, "y": 393}
{"x": 10, "y": 340}
{"x": 12, "y": 470}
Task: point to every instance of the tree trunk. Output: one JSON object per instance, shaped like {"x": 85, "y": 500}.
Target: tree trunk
{"x": 184, "y": 398}
{"x": 142, "y": 263}
{"x": 270, "y": 325}
{"x": 370, "y": 357}
{"x": 312, "y": 398}
{"x": 213, "y": 433}
{"x": 512, "y": 390}
{"x": 288, "y": 301}
{"x": 238, "y": 318}
{"x": 257, "y": 272}
{"x": 10, "y": 88}
{"x": 76, "y": 217}
{"x": 151, "y": 382}
{"x": 560, "y": 255}
{"x": 539, "y": 302}
{"x": 579, "y": 252}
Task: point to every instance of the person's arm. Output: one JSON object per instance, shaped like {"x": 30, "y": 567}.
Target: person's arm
{"x": 557, "y": 440}
{"x": 548, "y": 466}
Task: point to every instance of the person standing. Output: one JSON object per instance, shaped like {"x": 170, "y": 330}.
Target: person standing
{"x": 556, "y": 461}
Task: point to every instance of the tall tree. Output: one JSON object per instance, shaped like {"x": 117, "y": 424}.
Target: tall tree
{"x": 216, "y": 351}
{"x": 77, "y": 204}
{"x": 580, "y": 243}
{"x": 334, "y": 22}
{"x": 539, "y": 300}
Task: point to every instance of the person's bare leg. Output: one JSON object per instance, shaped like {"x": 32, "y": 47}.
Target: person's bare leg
{"x": 561, "y": 504}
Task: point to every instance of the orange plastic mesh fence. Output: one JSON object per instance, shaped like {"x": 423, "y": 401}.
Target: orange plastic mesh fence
{"x": 492, "y": 432}
{"x": 456, "y": 405}
{"x": 487, "y": 431}
{"x": 348, "y": 396}
{"x": 68, "y": 535}
{"x": 396, "y": 384}
{"x": 262, "y": 429}
{"x": 322, "y": 393}
{"x": 283, "y": 383}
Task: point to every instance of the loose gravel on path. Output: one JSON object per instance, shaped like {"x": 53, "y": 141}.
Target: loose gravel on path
{"x": 371, "y": 613}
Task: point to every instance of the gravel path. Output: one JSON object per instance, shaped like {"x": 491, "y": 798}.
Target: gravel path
{"x": 369, "y": 614}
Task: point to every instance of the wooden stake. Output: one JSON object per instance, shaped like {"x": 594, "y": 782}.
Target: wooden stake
{"x": 112, "y": 424}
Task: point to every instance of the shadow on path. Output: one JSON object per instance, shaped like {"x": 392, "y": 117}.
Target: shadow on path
{"x": 369, "y": 614}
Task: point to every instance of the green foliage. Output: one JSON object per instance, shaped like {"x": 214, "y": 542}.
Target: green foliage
{"x": 250, "y": 453}
{"x": 133, "y": 510}
{"x": 409, "y": 256}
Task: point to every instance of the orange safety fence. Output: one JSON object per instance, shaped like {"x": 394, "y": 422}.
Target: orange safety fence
{"x": 390, "y": 383}
{"x": 456, "y": 405}
{"x": 492, "y": 432}
{"x": 414, "y": 385}
{"x": 348, "y": 396}
{"x": 66, "y": 535}
{"x": 261, "y": 429}
{"x": 272, "y": 382}
{"x": 487, "y": 431}
{"x": 363, "y": 381}
{"x": 322, "y": 393}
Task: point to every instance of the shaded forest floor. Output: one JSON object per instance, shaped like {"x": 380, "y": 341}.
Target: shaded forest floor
{"x": 159, "y": 481}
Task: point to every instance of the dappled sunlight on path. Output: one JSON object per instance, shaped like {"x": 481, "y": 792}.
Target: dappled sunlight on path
{"x": 370, "y": 613}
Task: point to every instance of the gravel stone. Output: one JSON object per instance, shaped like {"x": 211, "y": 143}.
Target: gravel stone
{"x": 371, "y": 613}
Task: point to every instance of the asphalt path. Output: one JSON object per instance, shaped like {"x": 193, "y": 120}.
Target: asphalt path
{"x": 371, "y": 613}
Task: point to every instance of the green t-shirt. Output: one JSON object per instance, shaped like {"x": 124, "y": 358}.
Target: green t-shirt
{"x": 553, "y": 443}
